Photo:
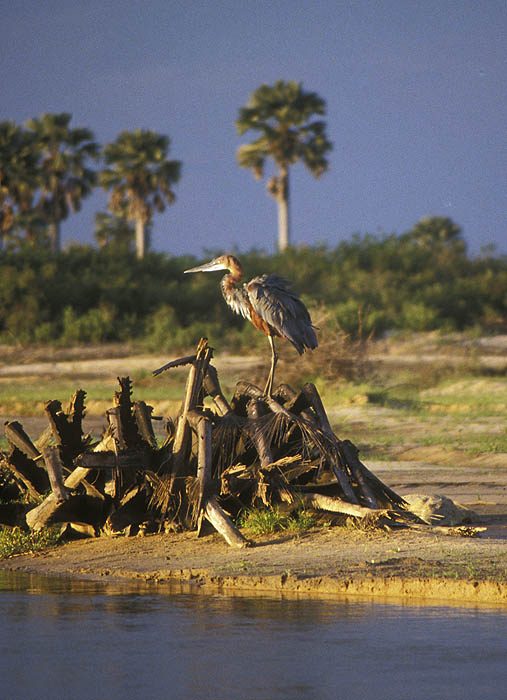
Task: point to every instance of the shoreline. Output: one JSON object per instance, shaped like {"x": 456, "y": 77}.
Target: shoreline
{"x": 407, "y": 567}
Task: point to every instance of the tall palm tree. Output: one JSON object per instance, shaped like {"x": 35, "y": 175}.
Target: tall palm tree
{"x": 282, "y": 114}
{"x": 64, "y": 176}
{"x": 140, "y": 178}
{"x": 18, "y": 177}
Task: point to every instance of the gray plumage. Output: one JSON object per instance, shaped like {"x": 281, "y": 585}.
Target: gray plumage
{"x": 275, "y": 303}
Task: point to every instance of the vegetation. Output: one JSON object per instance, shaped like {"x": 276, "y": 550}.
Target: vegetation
{"x": 17, "y": 541}
{"x": 267, "y": 521}
{"x": 282, "y": 114}
{"x": 140, "y": 177}
{"x": 44, "y": 174}
{"x": 63, "y": 178}
{"x": 421, "y": 280}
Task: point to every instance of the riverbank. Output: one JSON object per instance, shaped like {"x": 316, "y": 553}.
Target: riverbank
{"x": 331, "y": 560}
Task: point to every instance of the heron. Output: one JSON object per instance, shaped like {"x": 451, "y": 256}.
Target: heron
{"x": 269, "y": 304}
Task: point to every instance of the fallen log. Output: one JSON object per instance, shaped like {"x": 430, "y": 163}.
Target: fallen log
{"x": 201, "y": 424}
{"x": 143, "y": 418}
{"x": 50, "y": 509}
{"x": 78, "y": 508}
{"x": 222, "y": 524}
{"x": 334, "y": 504}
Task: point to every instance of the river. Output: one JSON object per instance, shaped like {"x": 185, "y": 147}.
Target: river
{"x": 79, "y": 640}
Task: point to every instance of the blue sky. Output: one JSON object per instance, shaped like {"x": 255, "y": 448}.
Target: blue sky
{"x": 415, "y": 92}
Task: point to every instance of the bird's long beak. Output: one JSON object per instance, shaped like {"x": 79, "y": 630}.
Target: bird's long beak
{"x": 208, "y": 267}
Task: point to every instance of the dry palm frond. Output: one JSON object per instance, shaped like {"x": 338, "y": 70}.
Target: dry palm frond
{"x": 238, "y": 481}
{"x": 273, "y": 486}
{"x": 163, "y": 498}
{"x": 193, "y": 493}
{"x": 170, "y": 430}
{"x": 292, "y": 467}
{"x": 226, "y": 435}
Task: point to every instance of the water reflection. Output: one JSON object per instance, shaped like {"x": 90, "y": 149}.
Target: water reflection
{"x": 96, "y": 640}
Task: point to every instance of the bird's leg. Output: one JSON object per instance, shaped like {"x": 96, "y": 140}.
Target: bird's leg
{"x": 274, "y": 358}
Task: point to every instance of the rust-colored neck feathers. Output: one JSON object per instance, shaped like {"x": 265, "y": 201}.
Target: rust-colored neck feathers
{"x": 234, "y": 267}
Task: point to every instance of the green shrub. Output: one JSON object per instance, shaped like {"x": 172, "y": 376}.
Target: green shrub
{"x": 17, "y": 541}
{"x": 94, "y": 326}
{"x": 417, "y": 316}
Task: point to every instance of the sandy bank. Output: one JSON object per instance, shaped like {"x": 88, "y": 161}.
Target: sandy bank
{"x": 328, "y": 560}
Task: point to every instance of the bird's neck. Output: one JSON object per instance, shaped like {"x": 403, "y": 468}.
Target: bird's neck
{"x": 234, "y": 296}
{"x": 228, "y": 283}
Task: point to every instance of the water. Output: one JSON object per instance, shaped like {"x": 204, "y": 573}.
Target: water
{"x": 78, "y": 640}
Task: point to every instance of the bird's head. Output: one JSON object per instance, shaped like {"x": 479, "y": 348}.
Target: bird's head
{"x": 223, "y": 262}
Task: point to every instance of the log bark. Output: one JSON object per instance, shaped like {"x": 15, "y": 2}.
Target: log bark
{"x": 213, "y": 389}
{"x": 336, "y": 505}
{"x": 193, "y": 391}
{"x": 295, "y": 402}
{"x": 76, "y": 413}
{"x": 202, "y": 425}
{"x": 130, "y": 513}
{"x": 115, "y": 425}
{"x": 78, "y": 508}
{"x": 40, "y": 516}
{"x": 313, "y": 398}
{"x": 342, "y": 477}
{"x": 311, "y": 393}
{"x": 174, "y": 363}
{"x": 28, "y": 473}
{"x": 337, "y": 463}
{"x": 350, "y": 454}
{"x": 261, "y": 443}
{"x": 391, "y": 496}
{"x": 15, "y": 434}
{"x": 142, "y": 415}
{"x": 222, "y": 524}
{"x": 130, "y": 459}
{"x": 54, "y": 468}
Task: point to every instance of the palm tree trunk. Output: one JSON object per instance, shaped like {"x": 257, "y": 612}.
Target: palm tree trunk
{"x": 283, "y": 209}
{"x": 54, "y": 236}
{"x": 140, "y": 239}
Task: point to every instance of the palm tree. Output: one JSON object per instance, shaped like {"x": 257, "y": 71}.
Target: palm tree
{"x": 282, "y": 114}
{"x": 18, "y": 177}
{"x": 113, "y": 231}
{"x": 140, "y": 178}
{"x": 64, "y": 178}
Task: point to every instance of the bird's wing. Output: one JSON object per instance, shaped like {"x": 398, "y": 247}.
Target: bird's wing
{"x": 276, "y": 304}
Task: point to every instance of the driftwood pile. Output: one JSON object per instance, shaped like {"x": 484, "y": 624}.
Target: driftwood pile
{"x": 218, "y": 458}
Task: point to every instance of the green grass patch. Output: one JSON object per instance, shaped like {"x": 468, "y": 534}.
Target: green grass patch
{"x": 267, "y": 521}
{"x": 16, "y": 541}
{"x": 27, "y": 397}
